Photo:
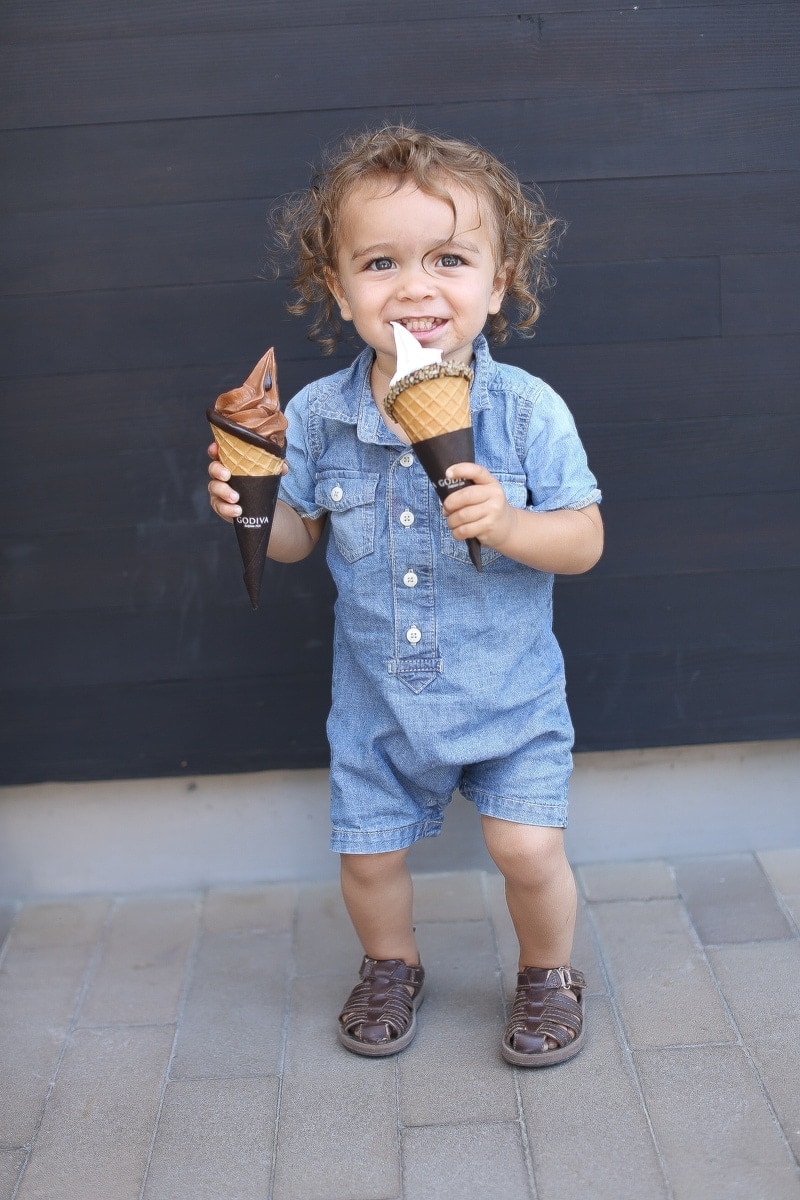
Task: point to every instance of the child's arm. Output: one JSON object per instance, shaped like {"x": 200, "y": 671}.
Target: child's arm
{"x": 566, "y": 541}
{"x": 293, "y": 537}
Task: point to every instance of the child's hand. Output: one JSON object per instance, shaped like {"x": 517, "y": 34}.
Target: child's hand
{"x": 222, "y": 497}
{"x": 481, "y": 511}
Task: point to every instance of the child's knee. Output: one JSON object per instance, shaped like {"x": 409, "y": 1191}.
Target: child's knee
{"x": 372, "y": 868}
{"x": 529, "y": 852}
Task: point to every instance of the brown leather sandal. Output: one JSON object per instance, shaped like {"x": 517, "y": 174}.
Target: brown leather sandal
{"x": 544, "y": 1013}
{"x": 380, "y": 1016}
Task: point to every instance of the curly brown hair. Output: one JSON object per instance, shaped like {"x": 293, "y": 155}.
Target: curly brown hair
{"x": 306, "y": 223}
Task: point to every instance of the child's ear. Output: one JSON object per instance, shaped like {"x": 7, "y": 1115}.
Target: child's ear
{"x": 502, "y": 282}
{"x": 337, "y": 291}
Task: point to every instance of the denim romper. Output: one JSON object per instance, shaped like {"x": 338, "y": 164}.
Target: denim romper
{"x": 443, "y": 678}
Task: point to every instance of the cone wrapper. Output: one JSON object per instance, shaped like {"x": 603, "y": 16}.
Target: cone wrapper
{"x": 255, "y": 465}
{"x": 438, "y": 453}
{"x": 432, "y": 406}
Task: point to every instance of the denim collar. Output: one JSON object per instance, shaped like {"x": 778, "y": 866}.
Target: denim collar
{"x": 347, "y": 396}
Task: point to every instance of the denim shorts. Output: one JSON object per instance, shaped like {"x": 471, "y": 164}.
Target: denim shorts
{"x": 384, "y": 797}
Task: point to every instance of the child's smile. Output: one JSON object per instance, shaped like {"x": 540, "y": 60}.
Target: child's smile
{"x": 401, "y": 257}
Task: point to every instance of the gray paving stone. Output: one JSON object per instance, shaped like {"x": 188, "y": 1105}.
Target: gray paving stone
{"x": 587, "y": 1128}
{"x": 139, "y": 977}
{"x": 338, "y": 1136}
{"x": 714, "y": 1129}
{"x": 584, "y": 951}
{"x": 314, "y": 1005}
{"x": 664, "y": 988}
{"x": 465, "y": 1162}
{"x": 650, "y": 880}
{"x": 325, "y": 942}
{"x": 338, "y": 1126}
{"x": 269, "y": 908}
{"x": 453, "y": 1070}
{"x": 783, "y": 869}
{"x": 760, "y": 983}
{"x": 451, "y": 896}
{"x": 44, "y": 967}
{"x": 729, "y": 900}
{"x": 51, "y": 924}
{"x": 11, "y": 1164}
{"x": 214, "y": 1142}
{"x": 95, "y": 1137}
{"x": 232, "y": 1024}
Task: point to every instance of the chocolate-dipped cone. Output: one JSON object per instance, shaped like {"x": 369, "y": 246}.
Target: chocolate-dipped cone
{"x": 255, "y": 464}
{"x": 432, "y": 405}
{"x": 438, "y": 453}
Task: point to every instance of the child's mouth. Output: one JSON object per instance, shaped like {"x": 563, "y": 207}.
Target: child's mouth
{"x": 420, "y": 326}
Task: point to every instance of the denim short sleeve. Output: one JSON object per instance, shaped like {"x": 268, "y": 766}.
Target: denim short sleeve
{"x": 298, "y": 487}
{"x": 555, "y": 460}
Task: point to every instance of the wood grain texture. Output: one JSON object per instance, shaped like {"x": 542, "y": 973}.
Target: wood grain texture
{"x": 508, "y": 57}
{"x": 142, "y": 147}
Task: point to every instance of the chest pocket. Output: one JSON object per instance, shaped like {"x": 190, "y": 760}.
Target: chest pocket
{"x": 516, "y": 491}
{"x": 349, "y": 497}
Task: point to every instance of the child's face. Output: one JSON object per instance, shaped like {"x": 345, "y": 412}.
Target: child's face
{"x": 400, "y": 258}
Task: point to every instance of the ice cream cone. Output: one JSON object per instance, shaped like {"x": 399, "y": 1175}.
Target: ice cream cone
{"x": 432, "y": 407}
{"x": 255, "y": 465}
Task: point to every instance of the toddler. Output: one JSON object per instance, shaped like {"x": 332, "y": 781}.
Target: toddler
{"x": 444, "y": 678}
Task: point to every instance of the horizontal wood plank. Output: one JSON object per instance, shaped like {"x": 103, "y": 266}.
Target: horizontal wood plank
{"x": 170, "y": 326}
{"x": 631, "y": 701}
{"x": 149, "y": 566}
{"x": 185, "y": 727}
{"x": 577, "y": 137}
{"x": 669, "y": 379}
{"x": 507, "y": 58}
{"x": 39, "y": 21}
{"x": 146, "y": 479}
{"x": 734, "y": 611}
{"x": 217, "y": 242}
{"x": 134, "y": 731}
{"x": 603, "y": 384}
{"x": 759, "y": 294}
{"x": 197, "y": 638}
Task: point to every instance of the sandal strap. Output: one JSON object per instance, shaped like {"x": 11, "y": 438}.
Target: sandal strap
{"x": 542, "y": 1009}
{"x": 381, "y": 1002}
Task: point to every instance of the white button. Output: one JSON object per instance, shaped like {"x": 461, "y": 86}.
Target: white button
{"x": 406, "y": 518}
{"x": 336, "y": 494}
{"x": 413, "y": 635}
{"x": 406, "y": 460}
{"x": 410, "y": 579}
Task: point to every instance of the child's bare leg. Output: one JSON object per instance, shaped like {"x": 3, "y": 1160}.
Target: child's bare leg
{"x": 379, "y": 1016}
{"x": 540, "y": 889}
{"x": 546, "y": 1024}
{"x": 378, "y": 895}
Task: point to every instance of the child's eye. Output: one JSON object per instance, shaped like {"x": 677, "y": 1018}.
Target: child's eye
{"x": 450, "y": 260}
{"x": 380, "y": 264}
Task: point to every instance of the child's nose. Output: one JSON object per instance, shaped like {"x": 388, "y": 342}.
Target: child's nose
{"x": 415, "y": 283}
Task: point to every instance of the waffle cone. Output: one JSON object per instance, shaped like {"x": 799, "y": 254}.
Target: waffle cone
{"x": 432, "y": 401}
{"x": 255, "y": 466}
{"x": 245, "y": 457}
{"x": 432, "y": 407}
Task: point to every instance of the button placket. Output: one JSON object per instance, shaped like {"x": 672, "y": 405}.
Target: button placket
{"x": 411, "y": 549}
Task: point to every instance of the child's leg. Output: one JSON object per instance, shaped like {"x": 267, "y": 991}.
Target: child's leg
{"x": 378, "y": 896}
{"x": 540, "y": 889}
{"x": 546, "y": 1023}
{"x": 379, "y": 1017}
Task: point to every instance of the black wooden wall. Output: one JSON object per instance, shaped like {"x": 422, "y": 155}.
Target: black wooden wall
{"x": 142, "y": 144}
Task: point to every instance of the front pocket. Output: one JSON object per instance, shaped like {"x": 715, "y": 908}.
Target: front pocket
{"x": 349, "y": 497}
{"x": 516, "y": 490}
